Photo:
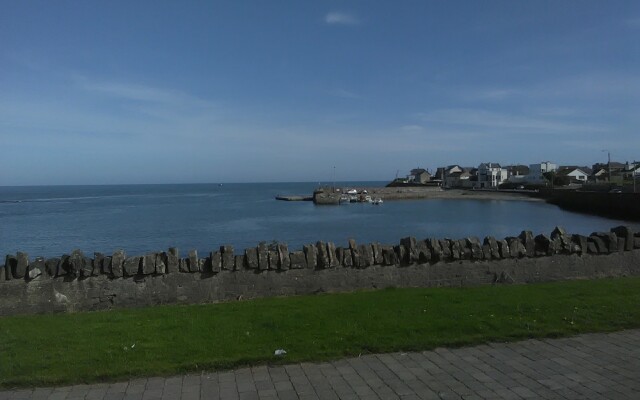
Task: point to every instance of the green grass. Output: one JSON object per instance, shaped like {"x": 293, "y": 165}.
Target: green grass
{"x": 102, "y": 346}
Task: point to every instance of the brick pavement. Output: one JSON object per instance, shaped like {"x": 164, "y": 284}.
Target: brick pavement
{"x": 593, "y": 366}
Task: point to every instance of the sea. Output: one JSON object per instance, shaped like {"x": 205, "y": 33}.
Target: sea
{"x": 53, "y": 220}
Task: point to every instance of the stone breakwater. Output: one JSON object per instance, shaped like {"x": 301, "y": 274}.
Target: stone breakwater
{"x": 75, "y": 282}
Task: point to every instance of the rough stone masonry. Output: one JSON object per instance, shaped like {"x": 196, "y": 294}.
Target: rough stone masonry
{"x": 76, "y": 282}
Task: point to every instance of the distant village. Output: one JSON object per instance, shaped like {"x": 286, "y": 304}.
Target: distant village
{"x": 545, "y": 174}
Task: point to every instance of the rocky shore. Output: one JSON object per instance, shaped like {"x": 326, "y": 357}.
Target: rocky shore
{"x": 326, "y": 196}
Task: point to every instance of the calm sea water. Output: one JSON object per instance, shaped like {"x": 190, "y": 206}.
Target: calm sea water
{"x": 52, "y": 220}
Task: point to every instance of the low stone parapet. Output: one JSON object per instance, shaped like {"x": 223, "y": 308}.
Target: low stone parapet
{"x": 75, "y": 281}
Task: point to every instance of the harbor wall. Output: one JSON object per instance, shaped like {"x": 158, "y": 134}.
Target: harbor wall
{"x": 76, "y": 282}
{"x": 614, "y": 205}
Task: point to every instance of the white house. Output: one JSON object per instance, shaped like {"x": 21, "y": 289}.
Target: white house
{"x": 491, "y": 175}
{"x": 537, "y": 171}
{"x": 579, "y": 174}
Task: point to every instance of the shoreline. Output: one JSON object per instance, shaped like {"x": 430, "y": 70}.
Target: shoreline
{"x": 418, "y": 193}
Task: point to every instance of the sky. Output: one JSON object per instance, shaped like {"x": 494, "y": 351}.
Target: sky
{"x": 118, "y": 92}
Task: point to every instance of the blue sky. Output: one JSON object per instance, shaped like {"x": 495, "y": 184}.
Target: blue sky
{"x": 243, "y": 91}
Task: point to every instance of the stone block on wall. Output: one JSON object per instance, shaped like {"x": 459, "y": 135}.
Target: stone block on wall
{"x": 274, "y": 261}
{"x": 51, "y": 266}
{"x": 132, "y": 265}
{"x": 228, "y": 260}
{"x": 10, "y": 263}
{"x": 377, "y": 253}
{"x": 117, "y": 263}
{"x": 435, "y": 248}
{"x": 36, "y": 268}
{"x": 173, "y": 260}
{"x": 599, "y": 244}
{"x": 410, "y": 244}
{"x": 340, "y": 252}
{"x": 424, "y": 254}
{"x": 298, "y": 260}
{"x": 149, "y": 264}
{"x": 355, "y": 254}
{"x": 520, "y": 248}
{"x": 63, "y": 265}
{"x": 401, "y": 254}
{"x": 311, "y": 254}
{"x": 263, "y": 256}
{"x": 476, "y": 249}
{"x": 390, "y": 256}
{"x": 323, "y": 256}
{"x": 503, "y": 247}
{"x": 580, "y": 243}
{"x": 76, "y": 263}
{"x": 610, "y": 240}
{"x": 447, "y": 252}
{"x": 106, "y": 266}
{"x": 366, "y": 255}
{"x": 239, "y": 262}
{"x": 332, "y": 254}
{"x": 161, "y": 263}
{"x": 627, "y": 234}
{"x": 96, "y": 265}
{"x": 215, "y": 259}
{"x": 251, "y": 255}
{"x": 192, "y": 262}
{"x": 493, "y": 247}
{"x": 455, "y": 248}
{"x": 543, "y": 244}
{"x": 283, "y": 256}
{"x": 465, "y": 250}
{"x": 529, "y": 243}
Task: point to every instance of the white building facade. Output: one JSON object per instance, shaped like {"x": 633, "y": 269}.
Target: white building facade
{"x": 491, "y": 175}
{"x": 537, "y": 171}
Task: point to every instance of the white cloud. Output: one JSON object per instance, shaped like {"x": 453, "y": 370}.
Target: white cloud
{"x": 340, "y": 18}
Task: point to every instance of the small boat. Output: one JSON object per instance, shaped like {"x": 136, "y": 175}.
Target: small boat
{"x": 352, "y": 192}
{"x": 353, "y": 199}
{"x": 377, "y": 201}
{"x": 344, "y": 199}
{"x": 368, "y": 199}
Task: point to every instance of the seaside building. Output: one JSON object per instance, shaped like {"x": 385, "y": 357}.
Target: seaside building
{"x": 491, "y": 175}
{"x": 574, "y": 174}
{"x": 537, "y": 171}
{"x": 419, "y": 175}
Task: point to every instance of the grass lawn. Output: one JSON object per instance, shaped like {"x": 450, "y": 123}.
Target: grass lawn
{"x": 104, "y": 346}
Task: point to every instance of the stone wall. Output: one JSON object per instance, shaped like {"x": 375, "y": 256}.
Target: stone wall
{"x": 75, "y": 282}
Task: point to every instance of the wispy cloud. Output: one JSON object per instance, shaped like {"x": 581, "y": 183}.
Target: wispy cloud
{"x": 412, "y": 128}
{"x": 341, "y": 18}
{"x": 633, "y": 23}
{"x": 345, "y": 94}
{"x": 505, "y": 123}
{"x": 140, "y": 93}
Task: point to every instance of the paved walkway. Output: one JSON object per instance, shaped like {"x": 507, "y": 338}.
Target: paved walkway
{"x": 594, "y": 366}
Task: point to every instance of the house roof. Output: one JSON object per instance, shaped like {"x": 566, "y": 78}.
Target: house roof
{"x": 417, "y": 171}
{"x": 567, "y": 169}
{"x": 490, "y": 165}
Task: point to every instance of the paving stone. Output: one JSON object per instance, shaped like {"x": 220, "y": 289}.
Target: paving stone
{"x": 596, "y": 366}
